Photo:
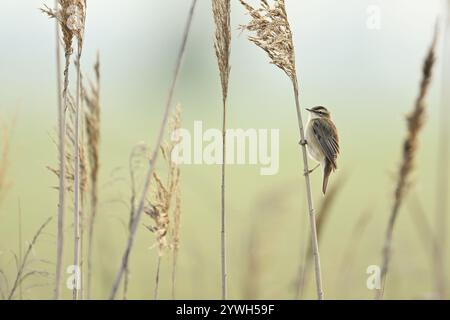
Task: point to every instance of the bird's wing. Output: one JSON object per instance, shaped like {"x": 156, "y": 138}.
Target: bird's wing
{"x": 326, "y": 134}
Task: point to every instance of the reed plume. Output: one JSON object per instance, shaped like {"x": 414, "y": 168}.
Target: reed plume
{"x": 272, "y": 33}
{"x": 415, "y": 122}
{"x": 92, "y": 120}
{"x": 176, "y": 192}
{"x": 71, "y": 16}
{"x": 222, "y": 45}
{"x": 162, "y": 202}
{"x": 154, "y": 157}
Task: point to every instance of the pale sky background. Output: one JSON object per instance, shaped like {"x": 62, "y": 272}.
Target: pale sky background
{"x": 337, "y": 56}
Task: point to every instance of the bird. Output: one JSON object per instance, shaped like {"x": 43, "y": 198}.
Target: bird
{"x": 322, "y": 141}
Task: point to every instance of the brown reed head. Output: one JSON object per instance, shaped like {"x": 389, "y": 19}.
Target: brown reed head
{"x": 71, "y": 15}
{"x": 272, "y": 33}
{"x": 415, "y": 122}
{"x": 70, "y": 151}
{"x": 91, "y": 97}
{"x": 222, "y": 40}
{"x": 416, "y": 119}
{"x": 166, "y": 197}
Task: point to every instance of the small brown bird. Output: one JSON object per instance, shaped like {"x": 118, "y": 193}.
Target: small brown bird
{"x": 322, "y": 141}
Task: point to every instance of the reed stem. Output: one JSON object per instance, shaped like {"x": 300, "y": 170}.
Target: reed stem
{"x": 154, "y": 156}
{"x": 312, "y": 215}
{"x": 61, "y": 158}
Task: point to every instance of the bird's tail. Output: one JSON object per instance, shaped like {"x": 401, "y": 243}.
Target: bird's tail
{"x": 327, "y": 169}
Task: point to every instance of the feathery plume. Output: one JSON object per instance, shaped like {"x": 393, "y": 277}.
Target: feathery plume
{"x": 222, "y": 46}
{"x": 415, "y": 122}
{"x": 92, "y": 120}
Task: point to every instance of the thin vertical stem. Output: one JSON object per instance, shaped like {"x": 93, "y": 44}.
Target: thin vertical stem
{"x": 174, "y": 268}
{"x": 76, "y": 211}
{"x": 222, "y": 232}
{"x": 62, "y": 168}
{"x": 154, "y": 156}
{"x": 20, "y": 245}
{"x": 312, "y": 215}
{"x": 158, "y": 269}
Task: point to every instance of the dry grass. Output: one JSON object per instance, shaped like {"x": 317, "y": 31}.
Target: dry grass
{"x": 222, "y": 46}
{"x": 164, "y": 205}
{"x": 71, "y": 16}
{"x": 272, "y": 33}
{"x": 415, "y": 122}
{"x": 154, "y": 157}
{"x": 91, "y": 97}
{"x": 23, "y": 272}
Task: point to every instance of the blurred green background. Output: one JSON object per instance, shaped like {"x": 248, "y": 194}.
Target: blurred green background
{"x": 367, "y": 78}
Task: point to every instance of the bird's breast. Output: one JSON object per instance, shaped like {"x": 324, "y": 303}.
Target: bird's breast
{"x": 313, "y": 146}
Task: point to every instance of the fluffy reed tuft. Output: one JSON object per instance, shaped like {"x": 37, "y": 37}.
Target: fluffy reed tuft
{"x": 272, "y": 33}
{"x": 92, "y": 120}
{"x": 222, "y": 40}
{"x": 69, "y": 155}
{"x": 166, "y": 200}
{"x": 222, "y": 45}
{"x": 415, "y": 122}
{"x": 71, "y": 16}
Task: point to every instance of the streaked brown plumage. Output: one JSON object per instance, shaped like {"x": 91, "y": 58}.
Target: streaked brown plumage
{"x": 322, "y": 141}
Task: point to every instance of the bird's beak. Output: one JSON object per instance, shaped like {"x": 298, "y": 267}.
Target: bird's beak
{"x": 309, "y": 110}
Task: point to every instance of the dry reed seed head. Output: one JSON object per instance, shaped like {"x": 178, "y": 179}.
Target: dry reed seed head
{"x": 416, "y": 120}
{"x": 69, "y": 151}
{"x": 161, "y": 201}
{"x": 92, "y": 118}
{"x": 71, "y": 15}
{"x": 222, "y": 40}
{"x": 272, "y": 33}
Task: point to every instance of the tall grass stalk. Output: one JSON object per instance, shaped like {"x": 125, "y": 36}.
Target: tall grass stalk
{"x": 92, "y": 120}
{"x": 222, "y": 46}
{"x": 61, "y": 160}
{"x": 154, "y": 157}
{"x": 415, "y": 122}
{"x": 273, "y": 34}
{"x": 77, "y": 157}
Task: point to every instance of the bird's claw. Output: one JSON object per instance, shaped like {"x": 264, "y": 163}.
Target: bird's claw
{"x": 310, "y": 171}
{"x": 303, "y": 142}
